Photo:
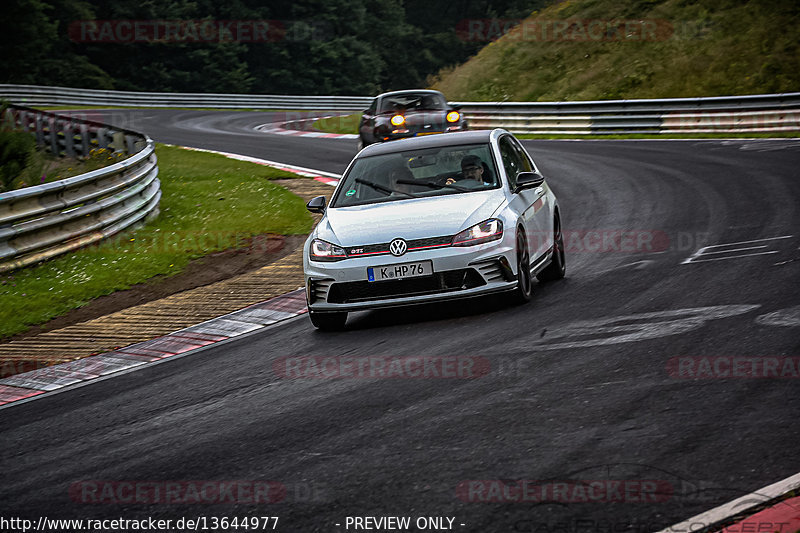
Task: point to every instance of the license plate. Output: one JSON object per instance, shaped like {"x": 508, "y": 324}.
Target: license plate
{"x": 400, "y": 271}
{"x": 428, "y": 133}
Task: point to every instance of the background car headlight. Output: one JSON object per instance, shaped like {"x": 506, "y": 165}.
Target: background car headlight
{"x": 324, "y": 251}
{"x": 453, "y": 116}
{"x": 398, "y": 120}
{"x": 486, "y": 231}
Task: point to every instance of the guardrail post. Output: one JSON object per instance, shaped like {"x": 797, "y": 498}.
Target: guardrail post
{"x": 130, "y": 144}
{"x": 84, "y": 140}
{"x": 102, "y": 137}
{"x": 54, "y": 148}
{"x": 69, "y": 140}
{"x": 39, "y": 130}
{"x": 118, "y": 142}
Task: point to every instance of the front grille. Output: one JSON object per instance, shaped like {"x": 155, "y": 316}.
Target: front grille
{"x": 370, "y": 249}
{"x": 430, "y": 241}
{"x": 414, "y": 244}
{"x": 364, "y": 291}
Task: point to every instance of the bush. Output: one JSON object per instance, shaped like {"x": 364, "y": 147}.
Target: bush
{"x": 16, "y": 151}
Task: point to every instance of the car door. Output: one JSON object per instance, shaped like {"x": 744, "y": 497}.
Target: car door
{"x": 529, "y": 203}
{"x": 367, "y": 124}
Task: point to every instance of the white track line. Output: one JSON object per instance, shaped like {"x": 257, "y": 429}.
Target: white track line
{"x": 737, "y": 506}
{"x": 274, "y": 164}
{"x": 148, "y": 364}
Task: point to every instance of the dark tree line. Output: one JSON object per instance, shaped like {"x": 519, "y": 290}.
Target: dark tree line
{"x": 355, "y": 47}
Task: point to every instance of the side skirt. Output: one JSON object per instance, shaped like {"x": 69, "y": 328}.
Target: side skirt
{"x": 543, "y": 262}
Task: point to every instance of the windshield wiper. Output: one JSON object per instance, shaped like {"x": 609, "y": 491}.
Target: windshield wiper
{"x": 382, "y": 188}
{"x": 435, "y": 185}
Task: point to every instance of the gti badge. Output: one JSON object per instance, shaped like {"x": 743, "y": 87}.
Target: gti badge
{"x": 398, "y": 247}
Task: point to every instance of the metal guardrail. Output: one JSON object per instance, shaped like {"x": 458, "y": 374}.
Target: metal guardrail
{"x": 34, "y": 95}
{"x": 726, "y": 114}
{"x": 42, "y": 221}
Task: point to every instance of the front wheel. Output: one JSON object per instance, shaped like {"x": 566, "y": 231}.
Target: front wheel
{"x": 558, "y": 266}
{"x": 328, "y": 321}
{"x": 524, "y": 289}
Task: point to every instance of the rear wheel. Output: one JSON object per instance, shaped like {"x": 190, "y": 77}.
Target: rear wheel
{"x": 558, "y": 266}
{"x": 524, "y": 289}
{"x": 328, "y": 321}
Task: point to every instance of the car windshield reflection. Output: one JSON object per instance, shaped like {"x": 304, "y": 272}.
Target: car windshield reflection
{"x": 412, "y": 102}
{"x": 418, "y": 173}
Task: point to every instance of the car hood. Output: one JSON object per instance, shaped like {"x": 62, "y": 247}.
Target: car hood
{"x": 414, "y": 218}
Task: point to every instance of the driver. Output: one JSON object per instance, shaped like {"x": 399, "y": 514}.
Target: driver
{"x": 471, "y": 169}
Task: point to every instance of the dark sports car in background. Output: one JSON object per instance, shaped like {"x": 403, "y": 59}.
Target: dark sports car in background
{"x": 410, "y": 113}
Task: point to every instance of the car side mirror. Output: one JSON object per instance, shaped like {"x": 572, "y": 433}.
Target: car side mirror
{"x": 316, "y": 204}
{"x": 456, "y": 107}
{"x": 528, "y": 180}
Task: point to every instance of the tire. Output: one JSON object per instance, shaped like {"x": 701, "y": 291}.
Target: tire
{"x": 361, "y": 144}
{"x": 558, "y": 266}
{"x": 328, "y": 321}
{"x": 524, "y": 290}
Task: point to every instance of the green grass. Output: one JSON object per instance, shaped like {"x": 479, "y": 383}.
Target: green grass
{"x": 700, "y": 48}
{"x": 209, "y": 203}
{"x": 340, "y": 124}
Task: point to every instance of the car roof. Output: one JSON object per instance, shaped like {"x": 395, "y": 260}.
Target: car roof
{"x": 409, "y": 91}
{"x": 429, "y": 141}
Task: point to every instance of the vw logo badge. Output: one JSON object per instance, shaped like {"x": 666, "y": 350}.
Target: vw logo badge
{"x": 398, "y": 247}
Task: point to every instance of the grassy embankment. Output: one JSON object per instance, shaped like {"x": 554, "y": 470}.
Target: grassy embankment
{"x": 703, "y": 48}
{"x": 209, "y": 203}
{"x": 673, "y": 48}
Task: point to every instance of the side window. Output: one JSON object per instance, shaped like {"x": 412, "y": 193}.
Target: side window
{"x": 373, "y": 107}
{"x": 524, "y": 161}
{"x": 511, "y": 160}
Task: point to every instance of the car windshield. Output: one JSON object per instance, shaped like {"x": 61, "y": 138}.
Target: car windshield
{"x": 412, "y": 102}
{"x": 418, "y": 174}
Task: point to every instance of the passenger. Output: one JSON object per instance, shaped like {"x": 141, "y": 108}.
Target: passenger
{"x": 398, "y": 171}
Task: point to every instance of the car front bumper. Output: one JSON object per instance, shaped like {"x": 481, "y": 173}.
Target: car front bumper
{"x": 458, "y": 272}
{"x": 392, "y": 136}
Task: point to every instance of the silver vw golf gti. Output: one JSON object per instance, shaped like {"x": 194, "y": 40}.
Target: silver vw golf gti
{"x": 432, "y": 218}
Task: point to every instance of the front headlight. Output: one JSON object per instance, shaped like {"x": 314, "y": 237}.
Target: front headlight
{"x": 324, "y": 251}
{"x": 486, "y": 231}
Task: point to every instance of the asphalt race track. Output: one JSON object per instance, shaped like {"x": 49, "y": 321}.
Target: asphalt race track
{"x": 583, "y": 388}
